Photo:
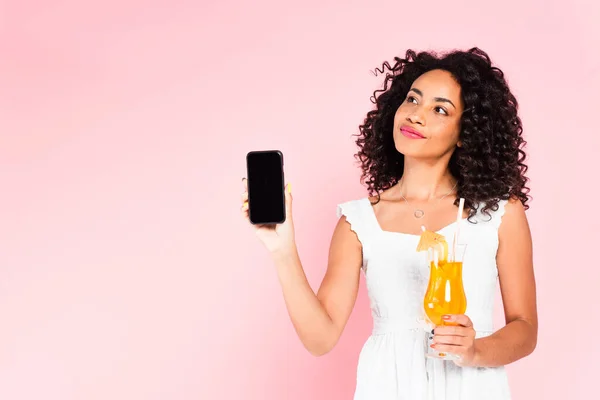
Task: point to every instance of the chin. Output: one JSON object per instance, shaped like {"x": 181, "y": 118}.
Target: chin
{"x": 409, "y": 147}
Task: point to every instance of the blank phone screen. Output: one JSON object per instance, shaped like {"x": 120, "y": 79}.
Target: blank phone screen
{"x": 266, "y": 197}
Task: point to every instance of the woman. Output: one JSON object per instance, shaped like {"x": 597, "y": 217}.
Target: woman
{"x": 443, "y": 128}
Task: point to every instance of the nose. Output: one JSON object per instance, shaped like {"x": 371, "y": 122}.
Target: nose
{"x": 415, "y": 117}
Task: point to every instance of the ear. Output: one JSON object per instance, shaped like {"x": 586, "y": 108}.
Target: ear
{"x": 459, "y": 144}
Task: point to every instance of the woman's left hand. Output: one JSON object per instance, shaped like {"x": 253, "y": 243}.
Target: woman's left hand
{"x": 458, "y": 337}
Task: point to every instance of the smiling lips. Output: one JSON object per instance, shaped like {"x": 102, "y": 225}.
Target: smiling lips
{"x": 411, "y": 133}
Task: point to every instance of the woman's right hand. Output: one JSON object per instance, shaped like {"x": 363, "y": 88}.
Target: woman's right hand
{"x": 277, "y": 238}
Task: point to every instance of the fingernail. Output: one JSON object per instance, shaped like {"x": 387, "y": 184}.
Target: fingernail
{"x": 432, "y": 346}
{"x": 447, "y": 317}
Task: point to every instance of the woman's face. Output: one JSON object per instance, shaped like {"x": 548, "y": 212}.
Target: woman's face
{"x": 427, "y": 123}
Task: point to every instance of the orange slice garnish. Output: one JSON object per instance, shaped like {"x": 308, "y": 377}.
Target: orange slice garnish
{"x": 435, "y": 241}
{"x": 429, "y": 240}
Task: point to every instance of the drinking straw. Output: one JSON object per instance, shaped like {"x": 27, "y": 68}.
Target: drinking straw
{"x": 459, "y": 217}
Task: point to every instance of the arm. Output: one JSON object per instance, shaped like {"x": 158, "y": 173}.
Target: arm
{"x": 518, "y": 338}
{"x": 319, "y": 319}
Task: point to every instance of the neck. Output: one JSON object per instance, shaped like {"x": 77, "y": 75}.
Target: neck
{"x": 423, "y": 180}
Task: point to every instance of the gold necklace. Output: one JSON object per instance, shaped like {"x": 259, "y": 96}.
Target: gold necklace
{"x": 419, "y": 213}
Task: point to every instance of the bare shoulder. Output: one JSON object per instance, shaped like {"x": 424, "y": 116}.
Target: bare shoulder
{"x": 385, "y": 198}
{"x": 344, "y": 235}
{"x": 514, "y": 220}
{"x": 515, "y": 205}
{"x": 514, "y": 235}
{"x": 389, "y": 194}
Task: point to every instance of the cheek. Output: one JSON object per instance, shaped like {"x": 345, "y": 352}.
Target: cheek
{"x": 447, "y": 132}
{"x": 398, "y": 115}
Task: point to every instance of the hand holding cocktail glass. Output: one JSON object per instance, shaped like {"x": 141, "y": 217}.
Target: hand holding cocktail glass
{"x": 445, "y": 301}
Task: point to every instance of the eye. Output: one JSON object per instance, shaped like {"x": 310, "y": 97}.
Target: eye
{"x": 441, "y": 110}
{"x": 411, "y": 99}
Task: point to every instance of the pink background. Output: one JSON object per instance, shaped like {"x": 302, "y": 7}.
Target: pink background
{"x": 125, "y": 269}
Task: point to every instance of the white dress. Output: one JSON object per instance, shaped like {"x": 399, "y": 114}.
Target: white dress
{"x": 392, "y": 364}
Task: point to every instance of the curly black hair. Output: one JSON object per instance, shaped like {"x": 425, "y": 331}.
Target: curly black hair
{"x": 490, "y": 164}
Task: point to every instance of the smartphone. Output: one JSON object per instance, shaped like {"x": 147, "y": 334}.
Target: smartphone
{"x": 266, "y": 185}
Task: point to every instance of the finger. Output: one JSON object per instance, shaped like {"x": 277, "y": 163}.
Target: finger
{"x": 452, "y": 331}
{"x": 288, "y": 199}
{"x": 245, "y": 195}
{"x": 244, "y": 211}
{"x": 450, "y": 340}
{"x": 460, "y": 319}
{"x": 448, "y": 348}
